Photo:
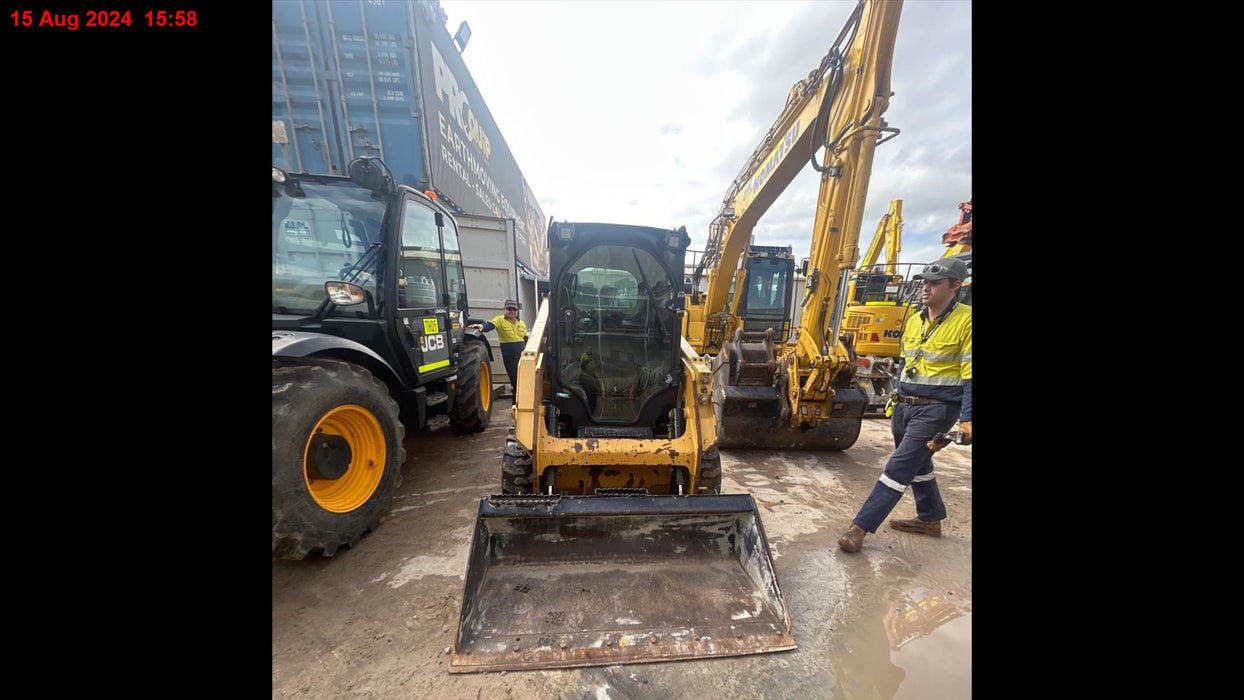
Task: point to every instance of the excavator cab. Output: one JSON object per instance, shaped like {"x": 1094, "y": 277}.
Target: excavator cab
{"x": 765, "y": 301}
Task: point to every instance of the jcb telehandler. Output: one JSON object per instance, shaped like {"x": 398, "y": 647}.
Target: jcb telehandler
{"x": 610, "y": 541}
{"x": 369, "y": 341}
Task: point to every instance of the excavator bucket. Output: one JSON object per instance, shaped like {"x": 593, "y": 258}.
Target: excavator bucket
{"x": 751, "y": 419}
{"x": 560, "y": 582}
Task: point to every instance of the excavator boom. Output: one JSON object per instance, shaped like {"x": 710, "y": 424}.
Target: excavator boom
{"x": 775, "y": 392}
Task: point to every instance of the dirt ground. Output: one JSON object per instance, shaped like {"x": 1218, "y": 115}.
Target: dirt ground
{"x": 892, "y": 621}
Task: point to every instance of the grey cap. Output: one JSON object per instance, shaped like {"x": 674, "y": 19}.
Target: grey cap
{"x": 946, "y": 268}
{"x": 509, "y": 303}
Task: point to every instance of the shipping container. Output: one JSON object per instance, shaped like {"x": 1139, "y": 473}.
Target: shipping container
{"x": 384, "y": 78}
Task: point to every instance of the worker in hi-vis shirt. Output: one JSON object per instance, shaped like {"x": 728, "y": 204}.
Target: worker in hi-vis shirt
{"x": 512, "y": 334}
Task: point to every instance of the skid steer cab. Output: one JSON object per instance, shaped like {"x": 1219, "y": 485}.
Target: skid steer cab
{"x": 369, "y": 345}
{"x": 610, "y": 483}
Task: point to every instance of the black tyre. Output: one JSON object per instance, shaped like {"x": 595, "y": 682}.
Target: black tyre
{"x": 337, "y": 456}
{"x": 516, "y": 468}
{"x": 472, "y": 409}
{"x": 710, "y": 471}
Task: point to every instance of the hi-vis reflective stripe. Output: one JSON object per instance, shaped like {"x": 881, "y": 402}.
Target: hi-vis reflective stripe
{"x": 899, "y": 487}
{"x": 892, "y": 483}
{"x": 936, "y": 356}
{"x": 434, "y": 365}
{"x": 934, "y": 381}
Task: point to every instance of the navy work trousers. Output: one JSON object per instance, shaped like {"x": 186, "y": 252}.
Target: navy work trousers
{"x": 510, "y": 353}
{"x": 910, "y": 465}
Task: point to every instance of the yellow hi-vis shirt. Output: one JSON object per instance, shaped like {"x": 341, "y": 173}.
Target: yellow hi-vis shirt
{"x": 509, "y": 332}
{"x": 941, "y": 353}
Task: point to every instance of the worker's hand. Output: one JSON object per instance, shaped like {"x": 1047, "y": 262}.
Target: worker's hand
{"x": 934, "y": 445}
{"x": 966, "y": 427}
{"x": 477, "y": 326}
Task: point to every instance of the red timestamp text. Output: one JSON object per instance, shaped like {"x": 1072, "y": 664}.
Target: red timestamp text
{"x": 102, "y": 18}
{"x": 171, "y": 18}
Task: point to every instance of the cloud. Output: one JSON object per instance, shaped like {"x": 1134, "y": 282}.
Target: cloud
{"x": 645, "y": 112}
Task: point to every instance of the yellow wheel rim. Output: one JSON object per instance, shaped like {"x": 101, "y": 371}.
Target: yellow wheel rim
{"x": 485, "y": 385}
{"x": 361, "y": 432}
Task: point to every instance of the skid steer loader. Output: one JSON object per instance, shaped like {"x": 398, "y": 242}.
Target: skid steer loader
{"x": 610, "y": 541}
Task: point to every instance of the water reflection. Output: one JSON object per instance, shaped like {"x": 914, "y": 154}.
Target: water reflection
{"x": 907, "y": 621}
{"x": 931, "y": 640}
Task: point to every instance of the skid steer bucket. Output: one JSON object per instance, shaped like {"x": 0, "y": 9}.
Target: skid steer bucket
{"x": 751, "y": 419}
{"x": 559, "y": 582}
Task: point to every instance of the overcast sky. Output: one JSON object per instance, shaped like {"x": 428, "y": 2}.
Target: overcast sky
{"x": 644, "y": 112}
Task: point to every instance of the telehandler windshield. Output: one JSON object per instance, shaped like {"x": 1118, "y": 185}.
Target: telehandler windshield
{"x": 320, "y": 232}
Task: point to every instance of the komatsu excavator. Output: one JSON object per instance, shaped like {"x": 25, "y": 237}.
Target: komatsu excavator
{"x": 878, "y": 303}
{"x": 798, "y": 393}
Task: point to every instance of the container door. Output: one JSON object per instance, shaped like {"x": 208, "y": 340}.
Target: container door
{"x": 303, "y": 131}
{"x": 368, "y": 47}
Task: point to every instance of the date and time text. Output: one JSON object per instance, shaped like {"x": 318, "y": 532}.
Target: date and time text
{"x": 103, "y": 19}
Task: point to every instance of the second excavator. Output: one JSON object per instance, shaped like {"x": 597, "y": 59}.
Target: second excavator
{"x": 879, "y": 300}
{"x": 798, "y": 393}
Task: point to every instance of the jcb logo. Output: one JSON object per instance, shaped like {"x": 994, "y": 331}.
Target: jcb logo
{"x": 428, "y": 343}
{"x": 893, "y": 334}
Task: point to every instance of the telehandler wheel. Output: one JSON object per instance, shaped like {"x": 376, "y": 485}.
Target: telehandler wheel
{"x": 472, "y": 409}
{"x": 336, "y": 456}
{"x": 516, "y": 468}
{"x": 710, "y": 471}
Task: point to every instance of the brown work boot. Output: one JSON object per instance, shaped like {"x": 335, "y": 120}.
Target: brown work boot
{"x": 932, "y": 528}
{"x": 852, "y": 539}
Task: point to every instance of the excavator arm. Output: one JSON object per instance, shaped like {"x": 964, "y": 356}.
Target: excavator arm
{"x": 798, "y": 394}
{"x": 888, "y": 236}
{"x": 832, "y": 119}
